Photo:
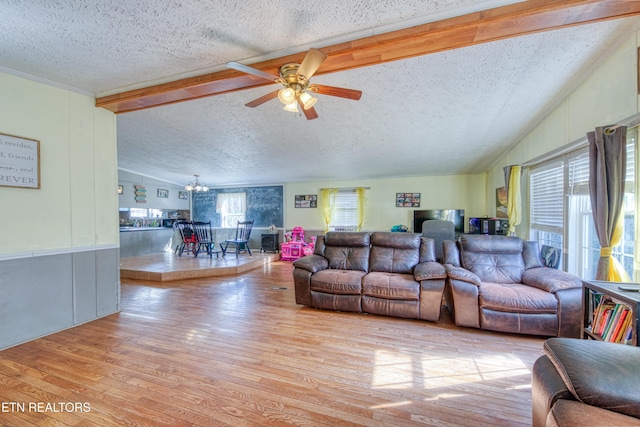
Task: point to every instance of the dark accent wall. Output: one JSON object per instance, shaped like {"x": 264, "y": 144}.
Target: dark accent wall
{"x": 264, "y": 205}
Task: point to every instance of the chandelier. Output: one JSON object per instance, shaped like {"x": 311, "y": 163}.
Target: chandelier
{"x": 196, "y": 186}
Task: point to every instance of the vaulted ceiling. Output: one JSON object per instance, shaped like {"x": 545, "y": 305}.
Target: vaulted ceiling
{"x": 448, "y": 86}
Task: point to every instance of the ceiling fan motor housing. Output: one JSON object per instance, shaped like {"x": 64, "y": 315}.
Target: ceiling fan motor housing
{"x": 288, "y": 73}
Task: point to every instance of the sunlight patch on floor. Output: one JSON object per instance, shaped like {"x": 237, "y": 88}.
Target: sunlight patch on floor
{"x": 392, "y": 405}
{"x": 397, "y": 370}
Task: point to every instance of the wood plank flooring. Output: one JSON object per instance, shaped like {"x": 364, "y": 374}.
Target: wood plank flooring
{"x": 238, "y": 351}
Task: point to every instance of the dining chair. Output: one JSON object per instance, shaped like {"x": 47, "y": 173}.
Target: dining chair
{"x": 241, "y": 241}
{"x": 204, "y": 238}
{"x": 188, "y": 237}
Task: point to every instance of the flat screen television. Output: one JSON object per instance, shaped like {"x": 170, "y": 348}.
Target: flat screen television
{"x": 454, "y": 215}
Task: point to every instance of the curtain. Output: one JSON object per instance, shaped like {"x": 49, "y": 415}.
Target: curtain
{"x": 512, "y": 176}
{"x": 607, "y": 171}
{"x": 360, "y": 193}
{"x": 232, "y": 208}
{"x": 328, "y": 199}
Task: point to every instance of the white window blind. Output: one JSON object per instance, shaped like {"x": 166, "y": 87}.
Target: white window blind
{"x": 546, "y": 191}
{"x": 345, "y": 217}
{"x": 579, "y": 174}
{"x": 579, "y": 171}
{"x": 631, "y": 171}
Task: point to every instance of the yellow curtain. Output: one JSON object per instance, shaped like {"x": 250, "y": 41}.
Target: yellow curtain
{"x": 328, "y": 200}
{"x": 360, "y": 192}
{"x": 616, "y": 272}
{"x": 514, "y": 201}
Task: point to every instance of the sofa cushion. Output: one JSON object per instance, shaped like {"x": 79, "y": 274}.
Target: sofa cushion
{"x": 516, "y": 298}
{"x": 391, "y": 286}
{"x": 496, "y": 259}
{"x": 598, "y": 373}
{"x": 347, "y": 250}
{"x": 394, "y": 252}
{"x": 344, "y": 282}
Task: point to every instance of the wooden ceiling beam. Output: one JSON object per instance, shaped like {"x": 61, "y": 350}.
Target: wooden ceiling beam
{"x": 514, "y": 20}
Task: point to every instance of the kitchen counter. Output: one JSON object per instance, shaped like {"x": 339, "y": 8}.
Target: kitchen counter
{"x": 143, "y": 228}
{"x": 136, "y": 241}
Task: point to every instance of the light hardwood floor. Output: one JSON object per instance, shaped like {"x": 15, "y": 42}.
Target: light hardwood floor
{"x": 238, "y": 351}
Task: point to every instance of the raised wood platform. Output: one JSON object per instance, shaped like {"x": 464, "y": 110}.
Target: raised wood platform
{"x": 166, "y": 266}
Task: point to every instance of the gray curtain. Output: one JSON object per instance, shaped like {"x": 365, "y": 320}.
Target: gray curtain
{"x": 607, "y": 170}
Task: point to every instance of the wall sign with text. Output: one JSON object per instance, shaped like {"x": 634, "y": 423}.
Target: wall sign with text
{"x": 19, "y": 162}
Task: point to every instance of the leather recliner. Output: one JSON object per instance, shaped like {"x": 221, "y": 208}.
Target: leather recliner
{"x": 586, "y": 383}
{"x": 499, "y": 283}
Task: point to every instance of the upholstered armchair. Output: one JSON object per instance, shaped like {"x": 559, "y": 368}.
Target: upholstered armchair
{"x": 499, "y": 283}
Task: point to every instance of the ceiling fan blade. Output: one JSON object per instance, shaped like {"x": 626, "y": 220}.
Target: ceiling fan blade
{"x": 309, "y": 113}
{"x": 336, "y": 91}
{"x": 263, "y": 99}
{"x": 253, "y": 71}
{"x": 311, "y": 63}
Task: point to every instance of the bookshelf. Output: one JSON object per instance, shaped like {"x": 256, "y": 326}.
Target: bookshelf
{"x": 610, "y": 313}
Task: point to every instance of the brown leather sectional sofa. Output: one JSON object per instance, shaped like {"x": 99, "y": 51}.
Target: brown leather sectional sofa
{"x": 492, "y": 282}
{"x": 586, "y": 383}
{"x": 392, "y": 274}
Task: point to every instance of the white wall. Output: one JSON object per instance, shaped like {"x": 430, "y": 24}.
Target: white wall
{"x": 77, "y": 203}
{"x": 59, "y": 256}
{"x": 437, "y": 192}
{"x": 607, "y": 96}
{"x": 127, "y": 198}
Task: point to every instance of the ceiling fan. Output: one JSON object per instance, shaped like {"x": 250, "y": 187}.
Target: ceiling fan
{"x": 297, "y": 88}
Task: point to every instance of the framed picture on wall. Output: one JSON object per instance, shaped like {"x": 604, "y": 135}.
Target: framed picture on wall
{"x": 183, "y": 195}
{"x": 501, "y": 203}
{"x": 306, "y": 201}
{"x": 162, "y": 193}
{"x": 407, "y": 200}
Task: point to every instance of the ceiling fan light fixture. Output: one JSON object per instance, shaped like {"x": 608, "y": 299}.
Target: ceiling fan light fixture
{"x": 292, "y": 107}
{"x": 307, "y": 100}
{"x": 287, "y": 95}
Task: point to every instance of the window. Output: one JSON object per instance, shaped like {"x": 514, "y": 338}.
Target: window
{"x": 345, "y": 216}
{"x": 546, "y": 191}
{"x": 561, "y": 216}
{"x": 144, "y": 213}
{"x": 582, "y": 238}
{"x": 138, "y": 213}
{"x": 232, "y": 208}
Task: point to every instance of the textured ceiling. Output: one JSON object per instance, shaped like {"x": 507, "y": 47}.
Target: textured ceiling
{"x": 451, "y": 112}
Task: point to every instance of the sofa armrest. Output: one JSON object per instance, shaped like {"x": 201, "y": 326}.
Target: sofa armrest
{"x": 550, "y": 279}
{"x": 429, "y": 270}
{"x": 462, "y": 274}
{"x": 572, "y": 413}
{"x": 598, "y": 373}
{"x": 547, "y": 387}
{"x": 312, "y": 263}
